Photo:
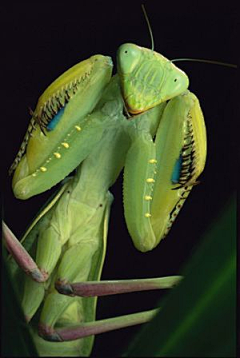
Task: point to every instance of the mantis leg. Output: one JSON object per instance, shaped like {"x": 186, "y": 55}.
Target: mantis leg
{"x": 105, "y": 288}
{"x": 21, "y": 255}
{"x": 160, "y": 172}
{"x": 97, "y": 327}
{"x": 62, "y": 112}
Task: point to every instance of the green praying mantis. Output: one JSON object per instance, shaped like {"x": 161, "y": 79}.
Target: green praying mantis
{"x": 143, "y": 120}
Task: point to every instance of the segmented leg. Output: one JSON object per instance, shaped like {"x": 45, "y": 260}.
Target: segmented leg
{"x": 161, "y": 170}
{"x": 21, "y": 256}
{"x": 105, "y": 288}
{"x": 97, "y": 327}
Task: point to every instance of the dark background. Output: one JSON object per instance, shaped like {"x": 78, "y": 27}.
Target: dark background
{"x": 42, "y": 40}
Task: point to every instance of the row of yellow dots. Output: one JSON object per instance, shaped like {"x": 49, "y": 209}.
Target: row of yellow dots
{"x": 150, "y": 180}
{"x": 56, "y": 154}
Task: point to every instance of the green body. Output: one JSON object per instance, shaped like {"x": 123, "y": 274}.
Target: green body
{"x": 95, "y": 135}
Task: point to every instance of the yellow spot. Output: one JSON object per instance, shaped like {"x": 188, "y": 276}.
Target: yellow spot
{"x": 147, "y": 215}
{"x": 34, "y": 174}
{"x": 78, "y": 128}
{"x": 150, "y": 180}
{"x": 57, "y": 155}
{"x": 147, "y": 197}
{"x": 65, "y": 145}
{"x": 43, "y": 169}
{"x": 152, "y": 161}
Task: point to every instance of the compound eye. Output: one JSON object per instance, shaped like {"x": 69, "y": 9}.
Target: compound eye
{"x": 128, "y": 56}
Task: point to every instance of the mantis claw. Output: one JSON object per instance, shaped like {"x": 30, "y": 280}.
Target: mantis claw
{"x": 38, "y": 275}
{"x": 48, "y": 333}
{"x": 64, "y": 288}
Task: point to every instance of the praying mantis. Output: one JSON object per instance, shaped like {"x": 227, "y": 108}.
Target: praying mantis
{"x": 136, "y": 123}
{"x": 80, "y": 120}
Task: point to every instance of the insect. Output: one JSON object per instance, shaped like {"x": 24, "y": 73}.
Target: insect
{"x": 143, "y": 120}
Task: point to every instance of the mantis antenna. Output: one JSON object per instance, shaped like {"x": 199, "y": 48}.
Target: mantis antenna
{"x": 184, "y": 59}
{"x": 212, "y": 62}
{"x": 149, "y": 26}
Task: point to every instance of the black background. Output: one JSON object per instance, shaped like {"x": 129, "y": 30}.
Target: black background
{"x": 42, "y": 40}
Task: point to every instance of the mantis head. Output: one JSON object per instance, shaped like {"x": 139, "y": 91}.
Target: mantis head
{"x": 147, "y": 78}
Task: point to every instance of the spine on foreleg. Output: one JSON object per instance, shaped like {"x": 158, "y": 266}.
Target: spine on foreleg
{"x": 181, "y": 154}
